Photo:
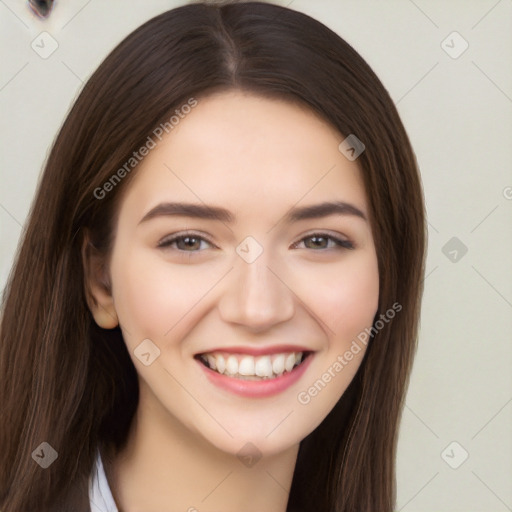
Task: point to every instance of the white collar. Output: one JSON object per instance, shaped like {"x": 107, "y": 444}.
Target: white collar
{"x": 100, "y": 495}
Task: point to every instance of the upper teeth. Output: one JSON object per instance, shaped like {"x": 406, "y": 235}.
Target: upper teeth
{"x": 245, "y": 365}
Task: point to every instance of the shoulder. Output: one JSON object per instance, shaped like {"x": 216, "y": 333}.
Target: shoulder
{"x": 90, "y": 494}
{"x": 100, "y": 494}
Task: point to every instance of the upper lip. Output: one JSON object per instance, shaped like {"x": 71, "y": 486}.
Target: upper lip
{"x": 258, "y": 351}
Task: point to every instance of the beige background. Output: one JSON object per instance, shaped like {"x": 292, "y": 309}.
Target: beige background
{"x": 458, "y": 112}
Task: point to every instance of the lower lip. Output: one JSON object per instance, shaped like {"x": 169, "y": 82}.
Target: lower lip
{"x": 257, "y": 388}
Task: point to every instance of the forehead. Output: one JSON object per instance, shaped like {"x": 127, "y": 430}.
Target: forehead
{"x": 250, "y": 152}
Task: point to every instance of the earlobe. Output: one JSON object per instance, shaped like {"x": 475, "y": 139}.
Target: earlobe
{"x": 104, "y": 318}
{"x": 97, "y": 287}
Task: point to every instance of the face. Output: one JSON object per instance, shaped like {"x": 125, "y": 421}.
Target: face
{"x": 238, "y": 307}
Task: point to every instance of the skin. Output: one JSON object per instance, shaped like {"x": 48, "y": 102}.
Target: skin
{"x": 258, "y": 158}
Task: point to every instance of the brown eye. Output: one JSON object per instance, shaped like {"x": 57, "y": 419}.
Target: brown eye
{"x": 185, "y": 243}
{"x": 317, "y": 242}
{"x": 322, "y": 241}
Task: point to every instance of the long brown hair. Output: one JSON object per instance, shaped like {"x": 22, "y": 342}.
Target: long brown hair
{"x": 71, "y": 384}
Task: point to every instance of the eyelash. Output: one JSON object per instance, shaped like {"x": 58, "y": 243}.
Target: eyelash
{"x": 339, "y": 243}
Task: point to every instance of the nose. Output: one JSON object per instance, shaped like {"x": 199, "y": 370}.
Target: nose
{"x": 256, "y": 296}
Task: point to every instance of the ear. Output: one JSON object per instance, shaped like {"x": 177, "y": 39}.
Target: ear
{"x": 98, "y": 290}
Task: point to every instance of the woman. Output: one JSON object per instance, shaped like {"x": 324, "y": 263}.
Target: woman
{"x": 216, "y": 299}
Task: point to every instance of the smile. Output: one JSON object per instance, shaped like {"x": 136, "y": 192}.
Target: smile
{"x": 254, "y": 376}
{"x": 247, "y": 367}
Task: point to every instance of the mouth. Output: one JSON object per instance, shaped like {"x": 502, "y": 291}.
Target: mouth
{"x": 253, "y": 368}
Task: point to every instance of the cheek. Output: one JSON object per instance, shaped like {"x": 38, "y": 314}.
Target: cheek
{"x": 346, "y": 298}
{"x": 151, "y": 297}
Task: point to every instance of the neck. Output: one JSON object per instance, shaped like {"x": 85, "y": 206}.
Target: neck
{"x": 166, "y": 466}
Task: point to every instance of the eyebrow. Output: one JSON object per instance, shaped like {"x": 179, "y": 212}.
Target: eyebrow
{"x": 208, "y": 212}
